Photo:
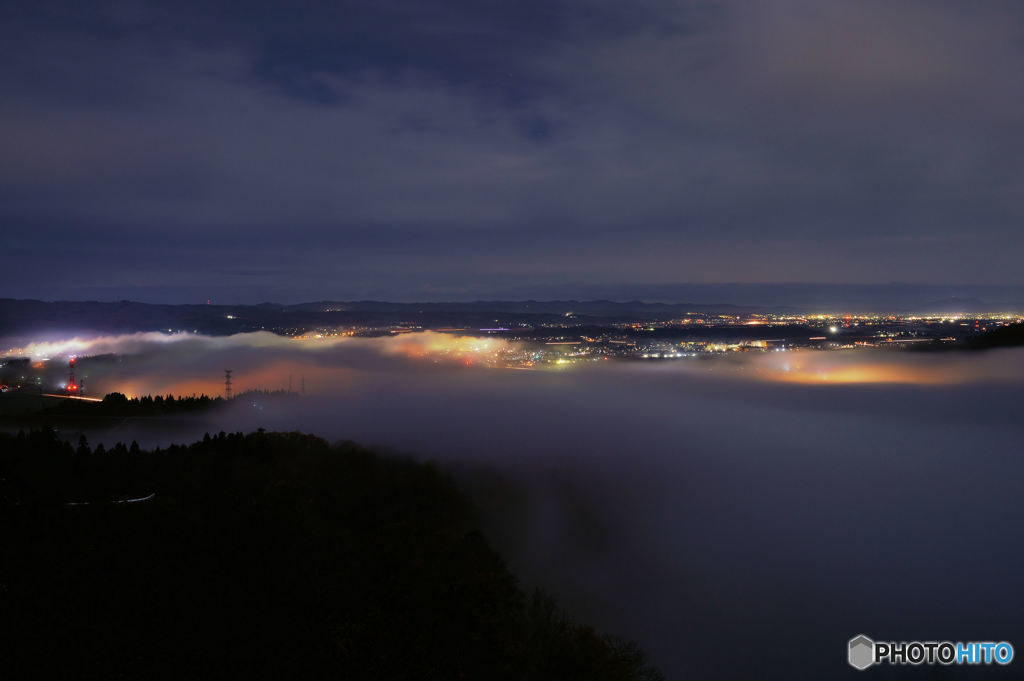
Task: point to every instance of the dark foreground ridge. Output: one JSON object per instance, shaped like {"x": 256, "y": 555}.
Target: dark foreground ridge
{"x": 268, "y": 555}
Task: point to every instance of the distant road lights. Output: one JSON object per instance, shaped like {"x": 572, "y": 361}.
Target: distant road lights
{"x": 833, "y": 329}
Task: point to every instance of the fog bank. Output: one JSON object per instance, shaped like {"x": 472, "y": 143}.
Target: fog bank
{"x": 718, "y": 515}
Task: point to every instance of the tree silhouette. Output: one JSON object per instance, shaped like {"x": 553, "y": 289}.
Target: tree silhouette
{"x": 268, "y": 555}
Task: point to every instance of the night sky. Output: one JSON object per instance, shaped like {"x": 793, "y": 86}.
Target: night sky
{"x": 461, "y": 149}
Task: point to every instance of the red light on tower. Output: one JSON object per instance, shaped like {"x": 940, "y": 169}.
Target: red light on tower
{"x": 72, "y": 386}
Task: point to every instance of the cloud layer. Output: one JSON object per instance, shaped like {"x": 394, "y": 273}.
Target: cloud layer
{"x": 447, "y": 149}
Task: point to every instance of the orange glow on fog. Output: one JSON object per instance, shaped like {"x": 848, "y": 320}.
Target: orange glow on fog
{"x": 270, "y": 377}
{"x": 184, "y": 364}
{"x": 307, "y": 357}
{"x": 865, "y": 373}
{"x": 816, "y": 367}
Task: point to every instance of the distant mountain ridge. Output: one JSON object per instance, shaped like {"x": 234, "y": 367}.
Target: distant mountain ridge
{"x": 21, "y": 318}
{"x": 957, "y": 304}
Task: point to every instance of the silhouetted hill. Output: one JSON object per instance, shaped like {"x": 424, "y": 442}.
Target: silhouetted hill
{"x": 269, "y": 555}
{"x": 1006, "y": 336}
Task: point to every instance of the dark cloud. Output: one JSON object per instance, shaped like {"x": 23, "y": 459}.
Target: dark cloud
{"x": 396, "y": 149}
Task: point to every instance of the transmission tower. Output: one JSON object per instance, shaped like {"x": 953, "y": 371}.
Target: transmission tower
{"x": 72, "y": 388}
{"x": 227, "y": 384}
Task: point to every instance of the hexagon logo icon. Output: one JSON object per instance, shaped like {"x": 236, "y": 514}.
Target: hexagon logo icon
{"x": 861, "y": 653}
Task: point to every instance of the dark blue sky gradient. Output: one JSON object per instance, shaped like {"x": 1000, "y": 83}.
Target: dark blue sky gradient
{"x": 449, "y": 150}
